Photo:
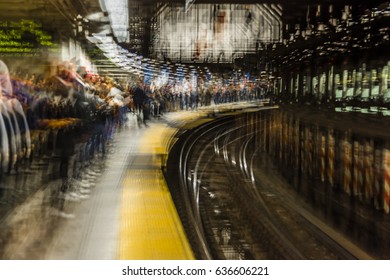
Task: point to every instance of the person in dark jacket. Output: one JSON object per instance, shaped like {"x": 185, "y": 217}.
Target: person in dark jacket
{"x": 140, "y": 101}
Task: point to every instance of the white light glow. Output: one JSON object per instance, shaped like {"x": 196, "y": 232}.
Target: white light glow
{"x": 118, "y": 12}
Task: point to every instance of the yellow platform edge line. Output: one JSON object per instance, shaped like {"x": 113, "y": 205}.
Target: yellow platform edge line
{"x": 177, "y": 222}
{"x": 144, "y": 233}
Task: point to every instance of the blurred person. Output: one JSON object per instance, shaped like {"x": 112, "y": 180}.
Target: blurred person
{"x": 6, "y": 94}
{"x": 5, "y": 81}
{"x": 140, "y": 100}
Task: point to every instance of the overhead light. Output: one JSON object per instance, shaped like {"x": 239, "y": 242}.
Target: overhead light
{"x": 118, "y": 14}
{"x": 98, "y": 17}
{"x": 93, "y": 39}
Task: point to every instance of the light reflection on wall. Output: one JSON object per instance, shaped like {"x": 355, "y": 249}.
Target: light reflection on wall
{"x": 215, "y": 33}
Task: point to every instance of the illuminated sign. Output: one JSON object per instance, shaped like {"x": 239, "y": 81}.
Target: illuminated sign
{"x": 25, "y": 36}
{"x": 215, "y": 33}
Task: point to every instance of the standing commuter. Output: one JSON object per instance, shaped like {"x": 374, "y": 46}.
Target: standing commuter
{"x": 140, "y": 99}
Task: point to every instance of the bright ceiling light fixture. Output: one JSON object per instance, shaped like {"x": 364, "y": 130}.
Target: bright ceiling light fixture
{"x": 118, "y": 12}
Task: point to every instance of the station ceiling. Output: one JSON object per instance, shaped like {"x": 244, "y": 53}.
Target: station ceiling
{"x": 58, "y": 16}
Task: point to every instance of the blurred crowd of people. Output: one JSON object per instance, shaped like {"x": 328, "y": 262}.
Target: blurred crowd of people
{"x": 64, "y": 119}
{"x": 59, "y": 125}
{"x": 157, "y": 100}
{"x": 71, "y": 115}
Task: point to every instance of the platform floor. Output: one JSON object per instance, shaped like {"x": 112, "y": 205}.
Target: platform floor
{"x": 128, "y": 214}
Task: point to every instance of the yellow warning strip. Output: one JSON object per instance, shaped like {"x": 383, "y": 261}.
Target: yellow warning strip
{"x": 150, "y": 226}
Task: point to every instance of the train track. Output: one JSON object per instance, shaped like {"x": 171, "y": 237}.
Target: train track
{"x": 231, "y": 209}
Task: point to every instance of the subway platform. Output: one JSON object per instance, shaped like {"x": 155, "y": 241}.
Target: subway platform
{"x": 126, "y": 213}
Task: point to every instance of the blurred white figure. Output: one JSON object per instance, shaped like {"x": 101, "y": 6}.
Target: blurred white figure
{"x": 5, "y": 81}
{"x": 18, "y": 143}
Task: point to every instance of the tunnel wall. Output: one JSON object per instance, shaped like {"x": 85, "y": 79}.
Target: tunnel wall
{"x": 344, "y": 154}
